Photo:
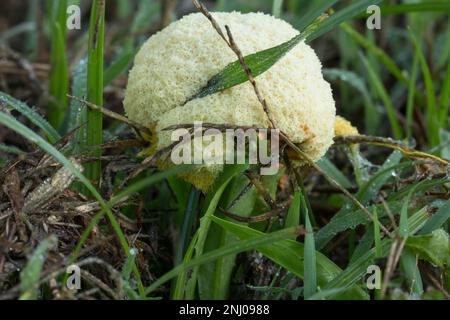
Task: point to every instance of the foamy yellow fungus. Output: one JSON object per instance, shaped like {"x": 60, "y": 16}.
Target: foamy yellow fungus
{"x": 343, "y": 127}
{"x": 174, "y": 64}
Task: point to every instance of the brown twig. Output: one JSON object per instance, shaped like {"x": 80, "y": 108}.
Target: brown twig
{"x": 389, "y": 143}
{"x": 394, "y": 257}
{"x": 113, "y": 115}
{"x": 259, "y": 218}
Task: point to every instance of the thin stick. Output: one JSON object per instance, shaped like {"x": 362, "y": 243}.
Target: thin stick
{"x": 249, "y": 73}
{"x": 389, "y": 143}
{"x": 113, "y": 115}
{"x": 332, "y": 181}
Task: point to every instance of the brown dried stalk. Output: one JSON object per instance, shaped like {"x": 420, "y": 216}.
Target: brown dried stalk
{"x": 113, "y": 115}
{"x": 389, "y": 143}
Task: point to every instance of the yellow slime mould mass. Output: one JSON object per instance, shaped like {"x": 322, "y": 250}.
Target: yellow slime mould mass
{"x": 174, "y": 64}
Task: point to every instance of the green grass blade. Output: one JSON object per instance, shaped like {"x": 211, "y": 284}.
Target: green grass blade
{"x": 403, "y": 225}
{"x": 318, "y": 8}
{"x": 346, "y": 218}
{"x": 432, "y": 112}
{"x": 76, "y": 116}
{"x": 234, "y": 248}
{"x": 310, "y": 279}
{"x": 31, "y": 115}
{"x": 288, "y": 254}
{"x": 186, "y": 227}
{"x": 357, "y": 270}
{"x": 432, "y": 247}
{"x": 364, "y": 245}
{"x": 371, "y": 115}
{"x": 208, "y": 211}
{"x": 376, "y": 234}
{"x": 30, "y": 275}
{"x": 59, "y": 72}
{"x": 11, "y": 149}
{"x": 382, "y": 56}
{"x": 214, "y": 278}
{"x": 445, "y": 99}
{"x": 423, "y": 6}
{"x": 384, "y": 96}
{"x": 277, "y": 7}
{"x": 411, "y": 95}
{"x": 408, "y": 263}
{"x": 349, "y": 12}
{"x": 118, "y": 66}
{"x": 95, "y": 85}
{"x": 438, "y": 219}
{"x": 445, "y": 51}
{"x": 327, "y": 166}
{"x": 293, "y": 215}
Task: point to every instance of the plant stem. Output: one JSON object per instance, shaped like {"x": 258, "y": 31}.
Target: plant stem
{"x": 95, "y": 85}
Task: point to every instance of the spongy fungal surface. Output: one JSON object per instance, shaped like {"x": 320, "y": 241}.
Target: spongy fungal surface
{"x": 343, "y": 127}
{"x": 173, "y": 65}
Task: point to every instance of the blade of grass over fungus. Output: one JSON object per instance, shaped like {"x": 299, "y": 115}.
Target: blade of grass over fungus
{"x": 16, "y": 126}
{"x": 95, "y": 85}
{"x": 32, "y": 115}
{"x": 259, "y": 62}
{"x": 233, "y": 74}
{"x": 30, "y": 275}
